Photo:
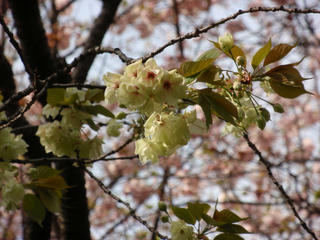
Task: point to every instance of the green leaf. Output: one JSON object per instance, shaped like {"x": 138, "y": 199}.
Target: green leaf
{"x": 228, "y": 236}
{"x": 234, "y": 52}
{"x": 211, "y": 75}
{"x": 261, "y": 122}
{"x": 261, "y": 54}
{"x": 221, "y": 107}
{"x": 227, "y": 216}
{"x": 91, "y": 124}
{"x": 183, "y": 214}
{"x": 205, "y": 106}
{"x": 291, "y": 74}
{"x": 232, "y": 228}
{"x": 95, "y": 95}
{"x": 188, "y": 69}
{"x": 50, "y": 199}
{"x": 277, "y": 53}
{"x": 54, "y": 182}
{"x": 196, "y": 209}
{"x": 34, "y": 208}
{"x": 287, "y": 91}
{"x": 277, "y": 108}
{"x": 237, "y": 51}
{"x": 95, "y": 110}
{"x": 210, "y": 54}
{"x": 42, "y": 172}
{"x": 265, "y": 114}
{"x": 55, "y": 96}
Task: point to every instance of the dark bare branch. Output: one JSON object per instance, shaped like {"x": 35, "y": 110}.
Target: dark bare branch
{"x": 101, "y": 25}
{"x": 198, "y": 31}
{"x": 284, "y": 194}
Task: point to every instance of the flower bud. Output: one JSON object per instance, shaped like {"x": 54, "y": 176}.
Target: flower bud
{"x": 265, "y": 114}
{"x": 226, "y": 42}
{"x": 240, "y": 61}
{"x": 261, "y": 123}
{"x": 278, "y": 108}
{"x": 162, "y": 206}
{"x": 164, "y": 219}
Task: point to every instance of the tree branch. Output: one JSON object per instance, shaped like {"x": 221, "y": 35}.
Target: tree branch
{"x": 48, "y": 81}
{"x": 119, "y": 200}
{"x": 15, "y": 44}
{"x": 198, "y": 31}
{"x": 284, "y": 194}
{"x": 101, "y": 25}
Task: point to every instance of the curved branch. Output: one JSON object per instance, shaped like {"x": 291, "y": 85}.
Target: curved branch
{"x": 284, "y": 194}
{"x": 106, "y": 190}
{"x": 198, "y": 31}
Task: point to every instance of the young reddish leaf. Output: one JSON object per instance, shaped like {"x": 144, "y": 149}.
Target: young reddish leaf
{"x": 287, "y": 91}
{"x": 184, "y": 214}
{"x": 232, "y": 228}
{"x": 188, "y": 69}
{"x": 290, "y": 73}
{"x": 261, "y": 54}
{"x": 54, "y": 182}
{"x": 197, "y": 209}
{"x": 210, "y": 54}
{"x": 228, "y": 236}
{"x": 278, "y": 52}
{"x": 50, "y": 199}
{"x": 34, "y": 208}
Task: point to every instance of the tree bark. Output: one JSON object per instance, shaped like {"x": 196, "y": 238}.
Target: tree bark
{"x": 101, "y": 25}
{"x": 37, "y": 52}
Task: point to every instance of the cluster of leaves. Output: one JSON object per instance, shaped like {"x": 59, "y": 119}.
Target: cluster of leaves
{"x": 229, "y": 94}
{"x": 46, "y": 184}
{"x": 195, "y": 222}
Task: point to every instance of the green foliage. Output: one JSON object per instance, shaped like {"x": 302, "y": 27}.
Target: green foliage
{"x": 48, "y": 185}
{"x": 201, "y": 224}
{"x": 34, "y": 208}
{"x": 261, "y": 54}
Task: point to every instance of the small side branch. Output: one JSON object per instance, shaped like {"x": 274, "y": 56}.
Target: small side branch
{"x": 106, "y": 190}
{"x": 15, "y": 44}
{"x": 198, "y": 31}
{"x": 284, "y": 194}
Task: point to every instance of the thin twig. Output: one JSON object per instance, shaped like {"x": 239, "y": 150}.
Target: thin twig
{"x": 198, "y": 31}
{"x": 284, "y": 194}
{"x": 119, "y": 200}
{"x": 177, "y": 26}
{"x": 71, "y": 160}
{"x": 161, "y": 194}
{"x": 77, "y": 85}
{"x": 15, "y": 44}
